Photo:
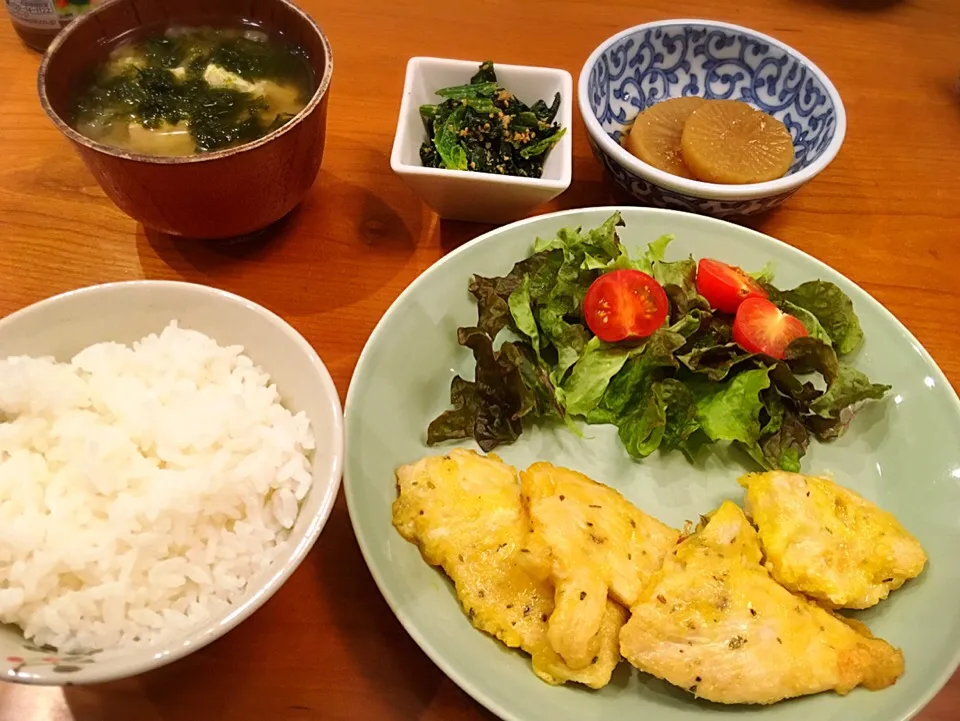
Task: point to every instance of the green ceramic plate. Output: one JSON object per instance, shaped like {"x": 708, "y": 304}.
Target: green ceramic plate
{"x": 903, "y": 453}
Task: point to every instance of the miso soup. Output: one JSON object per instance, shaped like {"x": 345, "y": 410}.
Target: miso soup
{"x": 189, "y": 90}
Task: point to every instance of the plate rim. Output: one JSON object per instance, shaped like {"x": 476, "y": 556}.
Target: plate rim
{"x": 467, "y": 684}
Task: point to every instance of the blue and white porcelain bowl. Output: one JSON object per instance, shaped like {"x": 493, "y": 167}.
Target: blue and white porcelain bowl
{"x": 652, "y": 62}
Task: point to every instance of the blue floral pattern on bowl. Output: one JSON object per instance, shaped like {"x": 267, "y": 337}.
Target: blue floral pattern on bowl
{"x": 648, "y": 193}
{"x": 712, "y": 61}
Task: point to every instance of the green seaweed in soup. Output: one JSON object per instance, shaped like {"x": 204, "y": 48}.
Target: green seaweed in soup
{"x": 191, "y": 90}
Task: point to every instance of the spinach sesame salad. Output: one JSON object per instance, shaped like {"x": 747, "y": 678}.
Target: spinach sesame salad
{"x": 483, "y": 127}
{"x": 678, "y": 355}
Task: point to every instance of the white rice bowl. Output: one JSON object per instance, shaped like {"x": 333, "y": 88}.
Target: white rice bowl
{"x": 141, "y": 487}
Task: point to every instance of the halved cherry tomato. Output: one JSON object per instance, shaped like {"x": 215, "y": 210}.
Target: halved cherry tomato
{"x": 761, "y": 327}
{"x": 625, "y": 304}
{"x": 725, "y": 286}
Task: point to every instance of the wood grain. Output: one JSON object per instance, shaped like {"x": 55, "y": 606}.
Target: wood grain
{"x": 886, "y": 214}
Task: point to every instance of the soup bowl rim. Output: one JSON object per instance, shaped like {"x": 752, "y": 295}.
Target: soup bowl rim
{"x": 202, "y": 157}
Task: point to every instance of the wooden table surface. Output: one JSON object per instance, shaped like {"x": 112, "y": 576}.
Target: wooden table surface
{"x": 886, "y": 214}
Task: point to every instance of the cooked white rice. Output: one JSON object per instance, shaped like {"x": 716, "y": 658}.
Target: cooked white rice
{"x": 141, "y": 488}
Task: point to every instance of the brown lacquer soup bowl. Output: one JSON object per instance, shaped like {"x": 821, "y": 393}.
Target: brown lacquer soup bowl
{"x": 217, "y": 194}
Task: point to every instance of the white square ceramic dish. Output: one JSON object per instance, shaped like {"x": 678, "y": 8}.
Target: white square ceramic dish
{"x": 482, "y": 197}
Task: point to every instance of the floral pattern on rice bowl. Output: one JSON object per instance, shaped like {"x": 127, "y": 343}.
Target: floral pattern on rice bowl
{"x": 48, "y": 657}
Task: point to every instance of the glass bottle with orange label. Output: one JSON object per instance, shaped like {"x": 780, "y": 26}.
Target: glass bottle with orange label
{"x": 37, "y": 22}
